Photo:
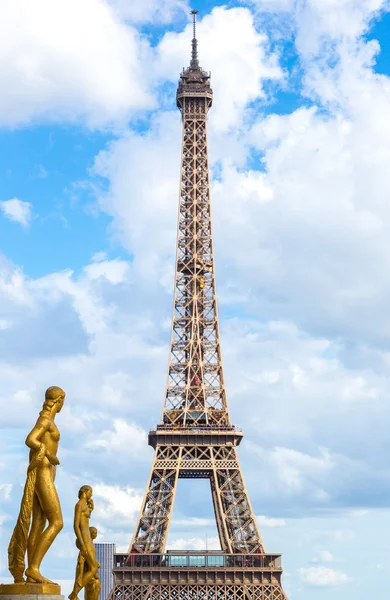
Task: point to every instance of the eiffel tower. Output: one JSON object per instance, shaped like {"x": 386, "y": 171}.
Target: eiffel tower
{"x": 195, "y": 438}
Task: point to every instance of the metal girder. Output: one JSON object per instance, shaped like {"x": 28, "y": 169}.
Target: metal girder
{"x": 195, "y": 392}
{"x": 237, "y": 528}
{"x": 269, "y": 590}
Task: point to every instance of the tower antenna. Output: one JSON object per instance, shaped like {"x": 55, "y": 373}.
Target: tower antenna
{"x": 194, "y": 55}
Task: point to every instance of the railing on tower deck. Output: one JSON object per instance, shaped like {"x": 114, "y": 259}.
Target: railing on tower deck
{"x": 196, "y": 427}
{"x": 194, "y": 87}
{"x": 198, "y": 560}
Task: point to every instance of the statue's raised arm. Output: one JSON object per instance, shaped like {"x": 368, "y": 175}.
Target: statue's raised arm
{"x": 40, "y": 506}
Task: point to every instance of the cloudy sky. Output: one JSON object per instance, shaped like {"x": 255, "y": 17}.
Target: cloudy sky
{"x": 300, "y": 154}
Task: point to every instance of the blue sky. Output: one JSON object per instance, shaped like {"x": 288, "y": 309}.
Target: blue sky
{"x": 299, "y": 150}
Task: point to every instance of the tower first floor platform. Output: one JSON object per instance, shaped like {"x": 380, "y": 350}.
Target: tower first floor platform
{"x": 197, "y": 576}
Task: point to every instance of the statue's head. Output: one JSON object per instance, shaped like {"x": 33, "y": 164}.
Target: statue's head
{"x": 93, "y": 532}
{"x": 54, "y": 396}
{"x": 85, "y": 491}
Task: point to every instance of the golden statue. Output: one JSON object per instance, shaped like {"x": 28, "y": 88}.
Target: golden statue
{"x": 87, "y": 568}
{"x": 92, "y": 589}
{"x": 40, "y": 505}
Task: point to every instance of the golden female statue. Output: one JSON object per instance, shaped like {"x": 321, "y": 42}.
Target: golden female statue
{"x": 92, "y": 589}
{"x": 40, "y": 505}
{"x": 87, "y": 568}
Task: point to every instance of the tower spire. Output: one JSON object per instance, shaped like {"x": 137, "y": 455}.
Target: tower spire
{"x": 194, "y": 65}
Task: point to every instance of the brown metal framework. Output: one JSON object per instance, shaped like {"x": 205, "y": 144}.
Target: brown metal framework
{"x": 195, "y": 438}
{"x": 198, "y": 576}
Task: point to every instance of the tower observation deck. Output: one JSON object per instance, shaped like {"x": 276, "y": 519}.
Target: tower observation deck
{"x": 195, "y": 438}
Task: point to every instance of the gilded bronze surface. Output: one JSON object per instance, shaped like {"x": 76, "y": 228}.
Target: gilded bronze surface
{"x": 92, "y": 589}
{"x": 87, "y": 567}
{"x": 40, "y": 506}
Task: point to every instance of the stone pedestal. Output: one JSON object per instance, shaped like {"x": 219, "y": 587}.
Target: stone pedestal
{"x": 30, "y": 591}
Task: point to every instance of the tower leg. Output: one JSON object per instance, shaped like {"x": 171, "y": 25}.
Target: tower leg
{"x": 236, "y": 521}
{"x": 153, "y": 523}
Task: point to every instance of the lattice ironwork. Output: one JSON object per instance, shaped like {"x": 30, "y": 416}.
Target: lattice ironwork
{"x": 198, "y": 575}
{"x": 266, "y": 591}
{"x": 236, "y": 524}
{"x": 195, "y": 438}
{"x": 195, "y": 392}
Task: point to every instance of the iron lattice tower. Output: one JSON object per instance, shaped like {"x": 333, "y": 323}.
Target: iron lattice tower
{"x": 196, "y": 438}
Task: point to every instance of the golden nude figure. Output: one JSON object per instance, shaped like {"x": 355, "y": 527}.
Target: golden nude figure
{"x": 87, "y": 566}
{"x": 92, "y": 589}
{"x": 40, "y": 505}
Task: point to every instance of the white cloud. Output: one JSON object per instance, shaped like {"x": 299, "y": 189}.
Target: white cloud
{"x": 323, "y": 577}
{"x": 336, "y": 210}
{"x": 88, "y": 324}
{"x": 5, "y": 491}
{"x": 116, "y": 504}
{"x": 318, "y": 23}
{"x": 17, "y": 210}
{"x": 93, "y": 313}
{"x": 341, "y": 20}
{"x": 146, "y": 224}
{"x": 196, "y": 543}
{"x": 342, "y": 535}
{"x": 359, "y": 513}
{"x": 270, "y": 522}
{"x": 68, "y": 61}
{"x": 123, "y": 435}
{"x": 324, "y": 556}
{"x": 114, "y": 271}
{"x": 99, "y": 257}
{"x": 299, "y": 472}
{"x": 156, "y": 11}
